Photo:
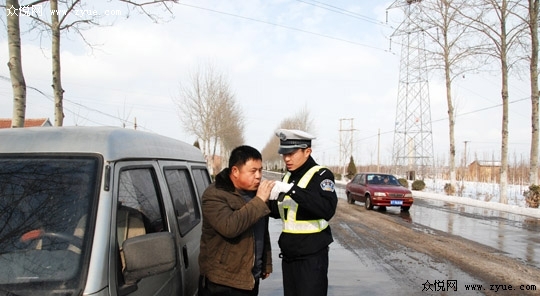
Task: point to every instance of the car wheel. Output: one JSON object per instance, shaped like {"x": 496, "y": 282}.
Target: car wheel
{"x": 405, "y": 209}
{"x": 368, "y": 204}
{"x": 349, "y": 198}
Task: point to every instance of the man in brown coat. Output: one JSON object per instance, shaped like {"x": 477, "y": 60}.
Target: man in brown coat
{"x": 235, "y": 242}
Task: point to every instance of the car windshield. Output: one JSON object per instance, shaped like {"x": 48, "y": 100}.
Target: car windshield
{"x": 45, "y": 204}
{"x": 382, "y": 179}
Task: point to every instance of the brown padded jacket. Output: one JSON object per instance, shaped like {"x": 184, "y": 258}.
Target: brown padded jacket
{"x": 227, "y": 252}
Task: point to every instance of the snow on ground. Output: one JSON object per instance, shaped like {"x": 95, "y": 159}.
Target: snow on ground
{"x": 521, "y": 210}
{"x": 484, "y": 195}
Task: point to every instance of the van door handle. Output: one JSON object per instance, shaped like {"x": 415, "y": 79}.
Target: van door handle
{"x": 185, "y": 254}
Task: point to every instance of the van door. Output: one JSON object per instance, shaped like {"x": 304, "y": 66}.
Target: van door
{"x": 141, "y": 210}
{"x": 185, "y": 198}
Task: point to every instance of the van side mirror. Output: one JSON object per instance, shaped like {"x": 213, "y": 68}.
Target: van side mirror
{"x": 148, "y": 255}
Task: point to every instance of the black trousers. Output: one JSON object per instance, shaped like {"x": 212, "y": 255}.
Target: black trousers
{"x": 207, "y": 288}
{"x": 306, "y": 276}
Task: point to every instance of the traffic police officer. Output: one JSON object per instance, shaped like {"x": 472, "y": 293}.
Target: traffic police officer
{"x": 306, "y": 204}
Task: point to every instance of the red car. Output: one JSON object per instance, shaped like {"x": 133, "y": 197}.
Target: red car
{"x": 375, "y": 189}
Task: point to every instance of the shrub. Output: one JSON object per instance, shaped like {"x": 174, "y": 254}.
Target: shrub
{"x": 403, "y": 182}
{"x": 351, "y": 169}
{"x": 532, "y": 196}
{"x": 337, "y": 177}
{"x": 449, "y": 189}
{"x": 418, "y": 185}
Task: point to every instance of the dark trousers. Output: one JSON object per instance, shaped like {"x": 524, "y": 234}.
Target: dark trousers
{"x": 207, "y": 288}
{"x": 306, "y": 276}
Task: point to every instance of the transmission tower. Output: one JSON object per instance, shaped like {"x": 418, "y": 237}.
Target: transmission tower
{"x": 413, "y": 138}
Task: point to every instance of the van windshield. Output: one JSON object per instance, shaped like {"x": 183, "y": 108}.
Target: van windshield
{"x": 45, "y": 204}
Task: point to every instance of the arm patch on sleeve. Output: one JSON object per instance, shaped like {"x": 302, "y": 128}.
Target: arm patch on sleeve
{"x": 328, "y": 185}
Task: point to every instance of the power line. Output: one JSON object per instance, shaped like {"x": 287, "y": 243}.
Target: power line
{"x": 482, "y": 109}
{"x": 344, "y": 12}
{"x": 446, "y": 118}
{"x": 285, "y": 27}
{"x": 51, "y": 98}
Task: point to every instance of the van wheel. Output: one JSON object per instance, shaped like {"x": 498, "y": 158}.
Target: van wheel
{"x": 368, "y": 204}
{"x": 349, "y": 198}
{"x": 405, "y": 209}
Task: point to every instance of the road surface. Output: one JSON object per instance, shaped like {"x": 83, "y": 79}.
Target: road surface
{"x": 422, "y": 253}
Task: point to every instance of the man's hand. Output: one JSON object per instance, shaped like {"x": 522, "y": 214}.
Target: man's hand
{"x": 278, "y": 188}
{"x": 264, "y": 276}
{"x": 263, "y": 192}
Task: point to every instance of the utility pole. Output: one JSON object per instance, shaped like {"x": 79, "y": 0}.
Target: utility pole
{"x": 465, "y": 159}
{"x": 378, "y": 151}
{"x": 345, "y": 143}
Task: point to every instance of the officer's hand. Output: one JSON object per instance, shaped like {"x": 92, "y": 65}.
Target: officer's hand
{"x": 278, "y": 188}
{"x": 263, "y": 192}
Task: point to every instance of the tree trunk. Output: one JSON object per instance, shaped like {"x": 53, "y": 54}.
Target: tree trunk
{"x": 504, "y": 130}
{"x": 533, "y": 19}
{"x": 56, "y": 71}
{"x": 451, "y": 120}
{"x": 214, "y": 155}
{"x": 15, "y": 64}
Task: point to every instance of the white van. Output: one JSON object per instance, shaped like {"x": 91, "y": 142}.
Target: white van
{"x": 99, "y": 211}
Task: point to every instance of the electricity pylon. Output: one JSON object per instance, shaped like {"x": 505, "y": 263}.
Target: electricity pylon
{"x": 413, "y": 137}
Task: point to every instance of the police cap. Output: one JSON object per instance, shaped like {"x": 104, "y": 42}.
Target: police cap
{"x": 290, "y": 140}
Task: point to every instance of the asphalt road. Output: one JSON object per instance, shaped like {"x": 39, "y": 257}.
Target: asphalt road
{"x": 436, "y": 249}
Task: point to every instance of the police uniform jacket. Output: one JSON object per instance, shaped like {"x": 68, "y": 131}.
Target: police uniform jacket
{"x": 227, "y": 251}
{"x": 313, "y": 203}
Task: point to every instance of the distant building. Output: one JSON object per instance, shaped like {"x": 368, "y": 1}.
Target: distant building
{"x": 485, "y": 170}
{"x": 31, "y": 122}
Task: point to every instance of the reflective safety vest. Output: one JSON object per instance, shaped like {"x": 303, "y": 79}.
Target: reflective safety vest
{"x": 290, "y": 224}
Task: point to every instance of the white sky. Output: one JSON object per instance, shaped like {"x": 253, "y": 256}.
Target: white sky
{"x": 280, "y": 56}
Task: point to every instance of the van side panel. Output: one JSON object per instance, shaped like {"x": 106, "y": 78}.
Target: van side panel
{"x": 141, "y": 209}
{"x": 184, "y": 183}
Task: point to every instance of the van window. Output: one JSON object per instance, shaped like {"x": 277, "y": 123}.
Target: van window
{"x": 138, "y": 193}
{"x": 140, "y": 210}
{"x": 45, "y": 206}
{"x": 202, "y": 179}
{"x": 184, "y": 199}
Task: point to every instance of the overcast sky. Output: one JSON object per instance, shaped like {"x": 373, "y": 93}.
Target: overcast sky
{"x": 335, "y": 60}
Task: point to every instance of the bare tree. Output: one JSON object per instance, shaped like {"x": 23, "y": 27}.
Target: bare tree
{"x": 494, "y": 19}
{"x": 533, "y": 28}
{"x": 531, "y": 45}
{"x": 143, "y": 7}
{"x": 54, "y": 23}
{"x": 232, "y": 127}
{"x": 61, "y": 18}
{"x": 300, "y": 121}
{"x": 450, "y": 52}
{"x": 228, "y": 125}
{"x": 207, "y": 110}
{"x": 15, "y": 63}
